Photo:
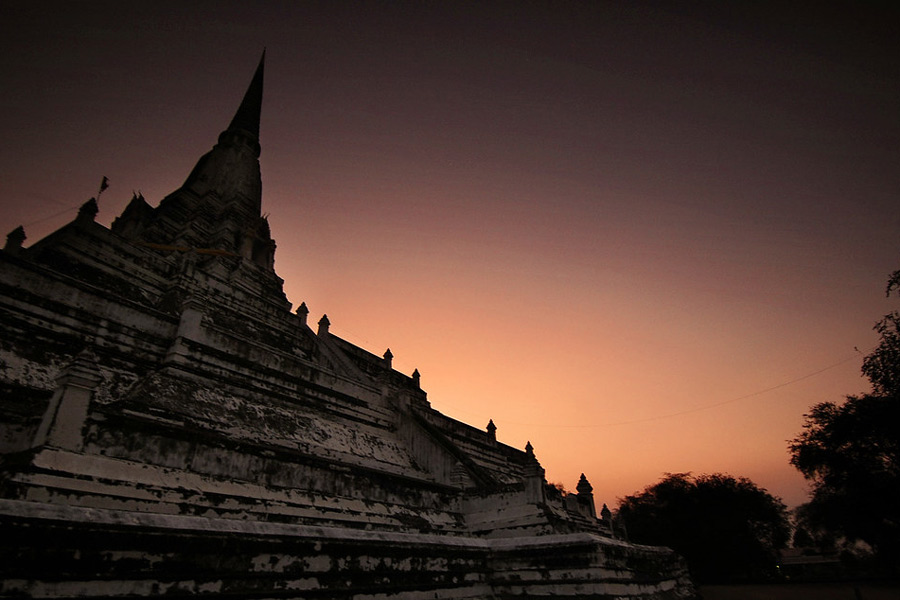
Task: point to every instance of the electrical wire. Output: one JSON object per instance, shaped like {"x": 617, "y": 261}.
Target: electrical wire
{"x": 696, "y": 408}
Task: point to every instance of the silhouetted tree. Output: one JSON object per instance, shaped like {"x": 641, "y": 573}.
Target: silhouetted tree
{"x": 802, "y": 538}
{"x": 727, "y": 529}
{"x": 812, "y": 536}
{"x": 882, "y": 367}
{"x": 851, "y": 453}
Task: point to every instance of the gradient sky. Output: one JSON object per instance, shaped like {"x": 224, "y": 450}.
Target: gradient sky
{"x": 647, "y": 238}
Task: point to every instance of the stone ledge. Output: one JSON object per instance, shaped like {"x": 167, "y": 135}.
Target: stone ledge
{"x": 72, "y": 515}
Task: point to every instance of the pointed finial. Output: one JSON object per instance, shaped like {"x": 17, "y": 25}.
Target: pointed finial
{"x": 584, "y": 486}
{"x": 492, "y": 429}
{"x": 416, "y": 377}
{"x": 529, "y": 449}
{"x": 14, "y": 240}
{"x": 388, "y": 357}
{"x": 247, "y": 116}
{"x": 605, "y": 513}
{"x": 302, "y": 312}
{"x": 324, "y": 323}
{"x": 88, "y": 211}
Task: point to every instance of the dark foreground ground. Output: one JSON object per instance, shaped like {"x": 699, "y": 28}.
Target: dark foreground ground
{"x": 802, "y": 591}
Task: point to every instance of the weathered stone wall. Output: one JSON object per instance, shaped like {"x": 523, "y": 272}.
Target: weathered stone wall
{"x": 286, "y": 488}
{"x": 99, "y": 553}
{"x": 62, "y": 552}
{"x": 502, "y": 463}
{"x": 207, "y": 458}
{"x": 586, "y": 566}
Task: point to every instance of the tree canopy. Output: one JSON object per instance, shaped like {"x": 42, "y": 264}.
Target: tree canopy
{"x": 882, "y": 366}
{"x": 727, "y": 528}
{"x": 851, "y": 453}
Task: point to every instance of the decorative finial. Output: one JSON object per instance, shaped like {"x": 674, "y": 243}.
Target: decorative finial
{"x": 324, "y": 323}
{"x": 88, "y": 211}
{"x": 14, "y": 240}
{"x": 416, "y": 377}
{"x": 492, "y": 429}
{"x": 302, "y": 312}
{"x": 529, "y": 449}
{"x": 584, "y": 486}
{"x": 388, "y": 357}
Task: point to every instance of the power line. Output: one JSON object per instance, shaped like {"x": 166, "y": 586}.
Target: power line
{"x": 697, "y": 408}
{"x": 104, "y": 185}
{"x": 53, "y": 216}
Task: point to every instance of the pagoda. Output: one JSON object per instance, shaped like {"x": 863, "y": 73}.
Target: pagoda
{"x": 169, "y": 425}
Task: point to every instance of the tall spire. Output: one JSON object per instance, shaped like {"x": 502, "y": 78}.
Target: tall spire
{"x": 247, "y": 116}
{"x": 219, "y": 205}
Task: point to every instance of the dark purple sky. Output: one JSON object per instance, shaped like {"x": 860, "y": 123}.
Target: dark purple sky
{"x": 629, "y": 233}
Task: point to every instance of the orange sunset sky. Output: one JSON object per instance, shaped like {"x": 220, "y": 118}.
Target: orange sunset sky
{"x": 646, "y": 237}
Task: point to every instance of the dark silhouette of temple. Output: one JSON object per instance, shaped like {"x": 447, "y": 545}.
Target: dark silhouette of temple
{"x": 169, "y": 426}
